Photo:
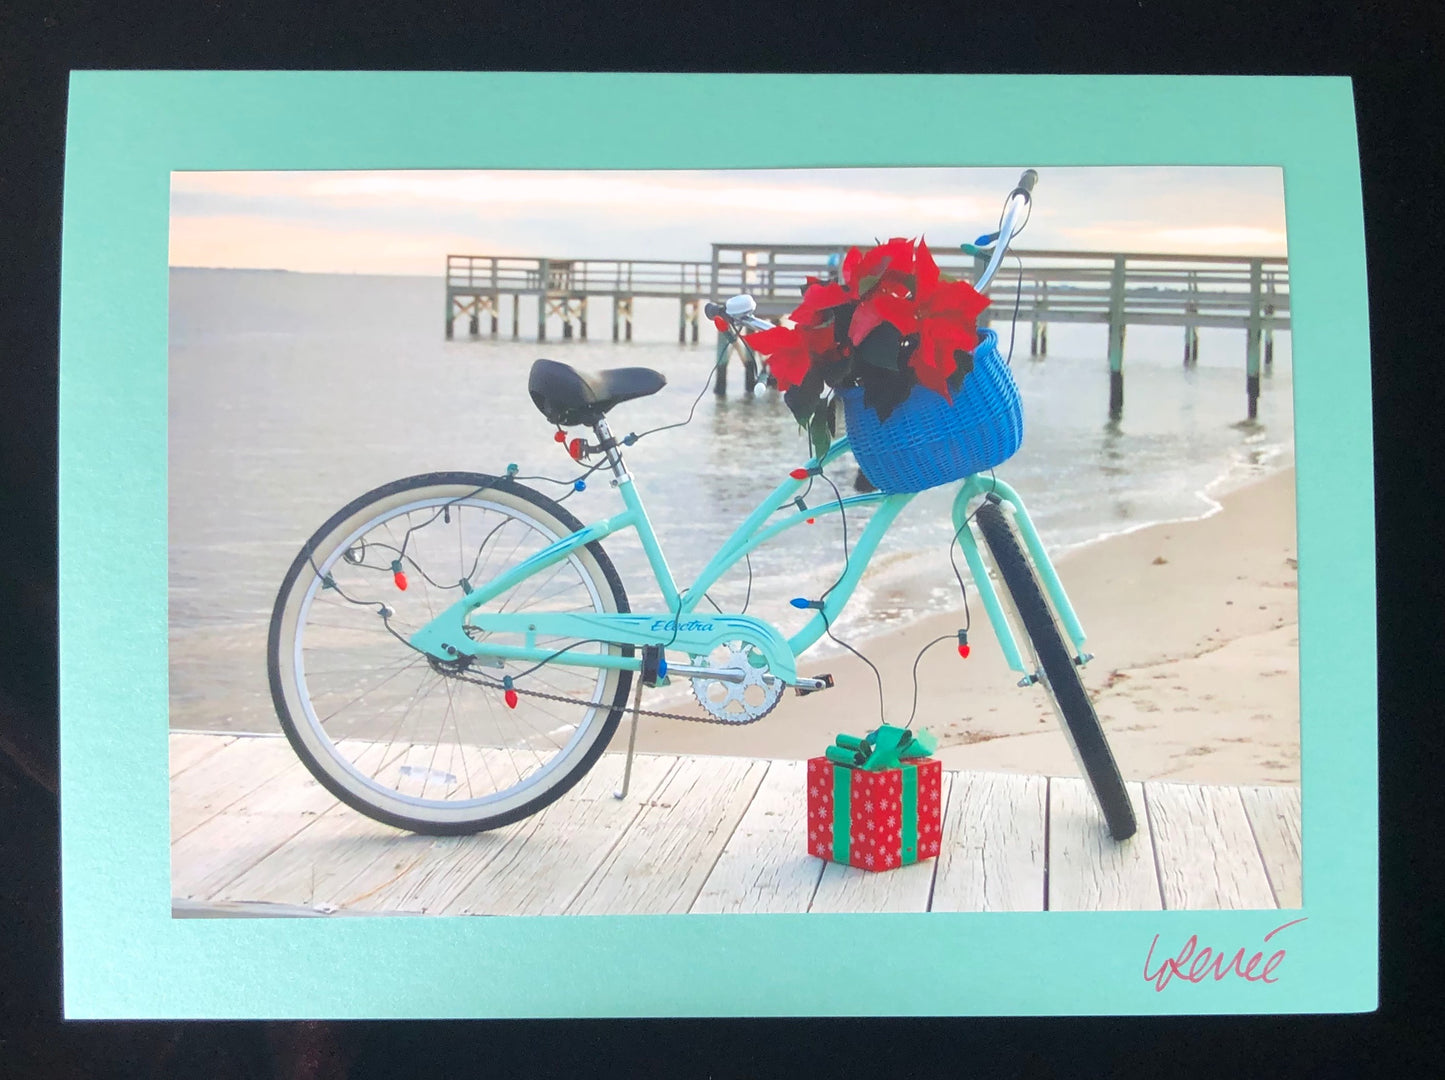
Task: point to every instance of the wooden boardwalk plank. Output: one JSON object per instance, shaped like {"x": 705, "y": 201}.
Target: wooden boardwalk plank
{"x": 992, "y": 856}
{"x": 1274, "y": 817}
{"x": 847, "y": 888}
{"x": 226, "y": 845}
{"x": 765, "y": 866}
{"x": 1088, "y": 870}
{"x": 1205, "y": 850}
{"x": 227, "y": 776}
{"x": 661, "y": 862}
{"x": 254, "y": 833}
{"x": 189, "y": 747}
{"x": 522, "y": 867}
{"x": 252, "y": 909}
{"x": 313, "y": 867}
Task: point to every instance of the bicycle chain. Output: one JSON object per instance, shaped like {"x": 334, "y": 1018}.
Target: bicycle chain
{"x": 708, "y": 719}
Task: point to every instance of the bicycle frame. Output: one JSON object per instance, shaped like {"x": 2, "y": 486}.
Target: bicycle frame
{"x": 445, "y": 637}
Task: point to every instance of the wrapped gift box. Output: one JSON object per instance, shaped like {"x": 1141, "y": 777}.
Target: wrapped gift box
{"x": 876, "y": 802}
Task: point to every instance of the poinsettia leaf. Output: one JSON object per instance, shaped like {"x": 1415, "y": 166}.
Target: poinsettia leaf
{"x": 818, "y": 433}
{"x": 964, "y": 360}
{"x": 790, "y": 366}
{"x": 896, "y": 311}
{"x": 802, "y": 399}
{"x": 880, "y": 348}
{"x": 865, "y": 318}
{"x": 897, "y": 254}
{"x": 957, "y": 300}
{"x": 837, "y": 372}
{"x": 831, "y": 411}
{"x": 869, "y": 283}
{"x": 883, "y": 392}
{"x": 767, "y": 341}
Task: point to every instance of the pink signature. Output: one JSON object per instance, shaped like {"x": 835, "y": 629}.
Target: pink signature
{"x": 1195, "y": 967}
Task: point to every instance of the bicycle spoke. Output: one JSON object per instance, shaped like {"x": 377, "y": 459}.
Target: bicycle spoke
{"x": 367, "y": 693}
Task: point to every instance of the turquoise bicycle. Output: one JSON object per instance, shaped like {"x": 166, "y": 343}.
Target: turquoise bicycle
{"x": 452, "y": 652}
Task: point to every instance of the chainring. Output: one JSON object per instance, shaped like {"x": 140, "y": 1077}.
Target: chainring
{"x": 737, "y": 703}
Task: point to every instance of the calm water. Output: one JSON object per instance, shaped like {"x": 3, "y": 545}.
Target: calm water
{"x": 291, "y": 394}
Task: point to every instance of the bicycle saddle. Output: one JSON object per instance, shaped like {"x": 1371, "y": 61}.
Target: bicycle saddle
{"x": 570, "y": 397}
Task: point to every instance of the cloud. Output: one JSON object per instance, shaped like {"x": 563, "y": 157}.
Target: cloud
{"x": 407, "y": 221}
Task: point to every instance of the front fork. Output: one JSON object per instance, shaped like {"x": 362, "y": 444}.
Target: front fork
{"x": 976, "y": 487}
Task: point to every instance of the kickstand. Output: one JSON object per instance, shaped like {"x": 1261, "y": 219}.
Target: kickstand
{"x": 631, "y": 743}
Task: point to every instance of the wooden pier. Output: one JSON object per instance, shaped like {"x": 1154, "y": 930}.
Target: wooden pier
{"x": 253, "y": 834}
{"x": 477, "y": 283}
{"x": 1116, "y": 289}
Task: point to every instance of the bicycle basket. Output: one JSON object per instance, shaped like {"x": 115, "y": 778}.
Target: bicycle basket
{"x": 928, "y": 441}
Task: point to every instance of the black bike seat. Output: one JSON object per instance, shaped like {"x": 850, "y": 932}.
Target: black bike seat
{"x": 570, "y": 397}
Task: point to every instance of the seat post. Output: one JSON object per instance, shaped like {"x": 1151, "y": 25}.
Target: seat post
{"x": 614, "y": 455}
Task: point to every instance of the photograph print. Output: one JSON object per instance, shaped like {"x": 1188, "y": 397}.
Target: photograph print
{"x": 734, "y": 541}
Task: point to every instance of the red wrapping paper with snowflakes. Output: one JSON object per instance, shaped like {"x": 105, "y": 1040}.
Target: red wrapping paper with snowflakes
{"x": 875, "y": 819}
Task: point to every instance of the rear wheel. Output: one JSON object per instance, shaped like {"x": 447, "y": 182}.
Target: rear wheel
{"x": 1057, "y": 671}
{"x": 422, "y": 744}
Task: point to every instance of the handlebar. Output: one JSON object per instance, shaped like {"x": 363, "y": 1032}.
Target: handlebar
{"x": 1018, "y": 201}
{"x": 738, "y": 310}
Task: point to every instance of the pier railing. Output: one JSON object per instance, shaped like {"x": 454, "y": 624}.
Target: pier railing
{"x": 614, "y": 277}
{"x": 1116, "y": 289}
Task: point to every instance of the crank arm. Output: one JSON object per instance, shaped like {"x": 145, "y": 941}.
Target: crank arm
{"x": 733, "y": 675}
{"x": 690, "y": 671}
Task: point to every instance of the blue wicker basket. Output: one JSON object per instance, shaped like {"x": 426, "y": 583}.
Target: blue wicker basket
{"x": 928, "y": 441}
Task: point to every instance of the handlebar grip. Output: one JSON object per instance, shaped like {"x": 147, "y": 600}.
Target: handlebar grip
{"x": 712, "y": 311}
{"x": 1027, "y": 181}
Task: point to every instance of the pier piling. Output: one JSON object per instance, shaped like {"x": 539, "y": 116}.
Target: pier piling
{"x": 1252, "y": 340}
{"x": 1116, "y": 340}
{"x": 720, "y": 379}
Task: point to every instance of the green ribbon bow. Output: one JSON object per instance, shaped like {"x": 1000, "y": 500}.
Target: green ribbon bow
{"x": 885, "y": 747}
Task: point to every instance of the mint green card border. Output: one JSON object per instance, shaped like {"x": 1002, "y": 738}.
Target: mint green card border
{"x": 124, "y": 956}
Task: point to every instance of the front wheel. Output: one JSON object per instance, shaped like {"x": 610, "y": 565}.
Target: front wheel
{"x": 427, "y": 745}
{"x": 1057, "y": 671}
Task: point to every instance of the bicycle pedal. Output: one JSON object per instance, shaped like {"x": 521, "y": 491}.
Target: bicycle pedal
{"x": 824, "y": 682}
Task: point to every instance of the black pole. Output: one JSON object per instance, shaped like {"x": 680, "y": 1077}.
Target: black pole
{"x": 1116, "y": 394}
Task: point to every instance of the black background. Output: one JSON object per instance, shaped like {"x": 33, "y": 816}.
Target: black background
{"x": 1393, "y": 52}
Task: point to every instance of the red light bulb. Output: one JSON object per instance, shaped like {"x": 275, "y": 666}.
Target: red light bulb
{"x": 510, "y": 697}
{"x": 964, "y": 650}
{"x": 397, "y": 576}
{"x": 721, "y": 324}
{"x": 812, "y": 521}
{"x": 799, "y": 474}
{"x": 575, "y": 449}
{"x": 561, "y": 436}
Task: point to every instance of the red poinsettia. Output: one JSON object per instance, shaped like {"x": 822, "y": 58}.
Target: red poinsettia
{"x": 892, "y": 321}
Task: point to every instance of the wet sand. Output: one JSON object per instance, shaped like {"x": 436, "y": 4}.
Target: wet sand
{"x": 1194, "y": 629}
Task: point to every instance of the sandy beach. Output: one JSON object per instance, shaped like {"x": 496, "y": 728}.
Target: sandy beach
{"x": 1194, "y": 629}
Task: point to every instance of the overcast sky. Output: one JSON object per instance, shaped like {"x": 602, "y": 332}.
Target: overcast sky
{"x": 404, "y": 222}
